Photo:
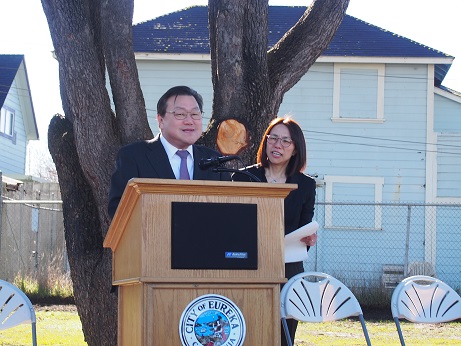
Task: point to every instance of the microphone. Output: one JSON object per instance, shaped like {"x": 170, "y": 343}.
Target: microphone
{"x": 216, "y": 161}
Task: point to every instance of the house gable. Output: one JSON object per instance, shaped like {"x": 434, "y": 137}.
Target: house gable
{"x": 9, "y": 65}
{"x": 19, "y": 123}
{"x": 13, "y": 70}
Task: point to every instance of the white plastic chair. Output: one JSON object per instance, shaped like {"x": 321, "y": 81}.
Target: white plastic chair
{"x": 318, "y": 297}
{"x": 424, "y": 299}
{"x": 15, "y": 309}
{"x": 421, "y": 268}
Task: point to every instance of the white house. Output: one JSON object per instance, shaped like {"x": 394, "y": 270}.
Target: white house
{"x": 17, "y": 119}
{"x": 381, "y": 130}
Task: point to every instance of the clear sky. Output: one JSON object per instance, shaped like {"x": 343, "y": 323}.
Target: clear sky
{"x": 434, "y": 23}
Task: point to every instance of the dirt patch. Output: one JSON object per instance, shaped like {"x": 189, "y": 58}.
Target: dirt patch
{"x": 66, "y": 308}
{"x": 377, "y": 314}
{"x": 54, "y": 304}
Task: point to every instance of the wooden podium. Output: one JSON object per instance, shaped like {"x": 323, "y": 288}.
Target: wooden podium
{"x": 152, "y": 296}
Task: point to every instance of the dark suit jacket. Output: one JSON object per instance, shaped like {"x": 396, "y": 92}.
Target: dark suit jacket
{"x": 148, "y": 159}
{"x": 299, "y": 206}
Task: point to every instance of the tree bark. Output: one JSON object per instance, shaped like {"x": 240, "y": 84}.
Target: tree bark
{"x": 91, "y": 37}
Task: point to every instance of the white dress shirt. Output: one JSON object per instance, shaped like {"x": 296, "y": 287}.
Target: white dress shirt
{"x": 175, "y": 160}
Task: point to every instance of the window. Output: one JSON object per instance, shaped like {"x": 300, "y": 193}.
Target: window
{"x": 358, "y": 93}
{"x": 7, "y": 122}
{"x": 355, "y": 199}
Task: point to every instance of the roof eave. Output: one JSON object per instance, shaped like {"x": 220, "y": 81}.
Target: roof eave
{"x": 322, "y": 58}
{"x": 30, "y": 122}
{"x": 448, "y": 93}
{"x": 172, "y": 56}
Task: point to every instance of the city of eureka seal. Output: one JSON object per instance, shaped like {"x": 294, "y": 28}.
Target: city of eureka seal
{"x": 212, "y": 320}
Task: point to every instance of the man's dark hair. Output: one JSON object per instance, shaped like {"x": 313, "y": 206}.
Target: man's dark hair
{"x": 177, "y": 91}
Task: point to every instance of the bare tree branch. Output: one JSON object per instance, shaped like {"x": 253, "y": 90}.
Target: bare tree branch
{"x": 299, "y": 48}
{"x": 116, "y": 26}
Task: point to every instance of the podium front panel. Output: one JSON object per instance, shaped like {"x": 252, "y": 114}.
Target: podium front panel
{"x": 259, "y": 305}
{"x": 214, "y": 236}
{"x": 156, "y": 245}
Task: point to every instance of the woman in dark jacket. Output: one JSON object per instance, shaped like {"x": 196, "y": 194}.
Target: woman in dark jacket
{"x": 282, "y": 159}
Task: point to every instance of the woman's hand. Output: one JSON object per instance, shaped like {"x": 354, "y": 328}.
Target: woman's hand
{"x": 310, "y": 240}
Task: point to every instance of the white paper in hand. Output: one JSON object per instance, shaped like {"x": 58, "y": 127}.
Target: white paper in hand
{"x": 295, "y": 249}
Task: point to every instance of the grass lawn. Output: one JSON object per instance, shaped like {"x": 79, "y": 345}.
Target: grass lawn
{"x": 56, "y": 326}
{"x": 348, "y": 332}
{"x": 60, "y": 326}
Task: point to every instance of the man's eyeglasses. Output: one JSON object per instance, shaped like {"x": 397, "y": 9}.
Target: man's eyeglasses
{"x": 284, "y": 141}
{"x": 181, "y": 115}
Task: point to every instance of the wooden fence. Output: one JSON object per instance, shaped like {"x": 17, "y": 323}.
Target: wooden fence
{"x": 32, "y": 241}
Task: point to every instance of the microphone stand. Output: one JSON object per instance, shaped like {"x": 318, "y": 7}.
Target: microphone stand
{"x": 232, "y": 170}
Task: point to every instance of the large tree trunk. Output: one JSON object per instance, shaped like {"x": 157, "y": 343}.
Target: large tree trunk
{"x": 249, "y": 82}
{"x": 91, "y": 37}
{"x": 241, "y": 89}
{"x": 90, "y": 263}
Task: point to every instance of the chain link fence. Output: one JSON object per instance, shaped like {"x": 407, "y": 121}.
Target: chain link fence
{"x": 363, "y": 244}
{"x": 378, "y": 244}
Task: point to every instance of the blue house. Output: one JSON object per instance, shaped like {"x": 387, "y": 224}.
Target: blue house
{"x": 383, "y": 138}
{"x": 17, "y": 119}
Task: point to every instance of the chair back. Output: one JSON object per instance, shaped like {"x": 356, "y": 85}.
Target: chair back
{"x": 424, "y": 299}
{"x": 421, "y": 268}
{"x": 15, "y": 308}
{"x": 318, "y": 297}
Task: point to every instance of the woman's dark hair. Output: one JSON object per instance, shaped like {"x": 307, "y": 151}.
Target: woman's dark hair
{"x": 177, "y": 91}
{"x": 298, "y": 161}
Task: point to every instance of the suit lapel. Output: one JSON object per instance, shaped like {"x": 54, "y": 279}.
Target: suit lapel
{"x": 199, "y": 174}
{"x": 158, "y": 159}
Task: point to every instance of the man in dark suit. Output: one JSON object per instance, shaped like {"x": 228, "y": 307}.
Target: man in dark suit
{"x": 179, "y": 116}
